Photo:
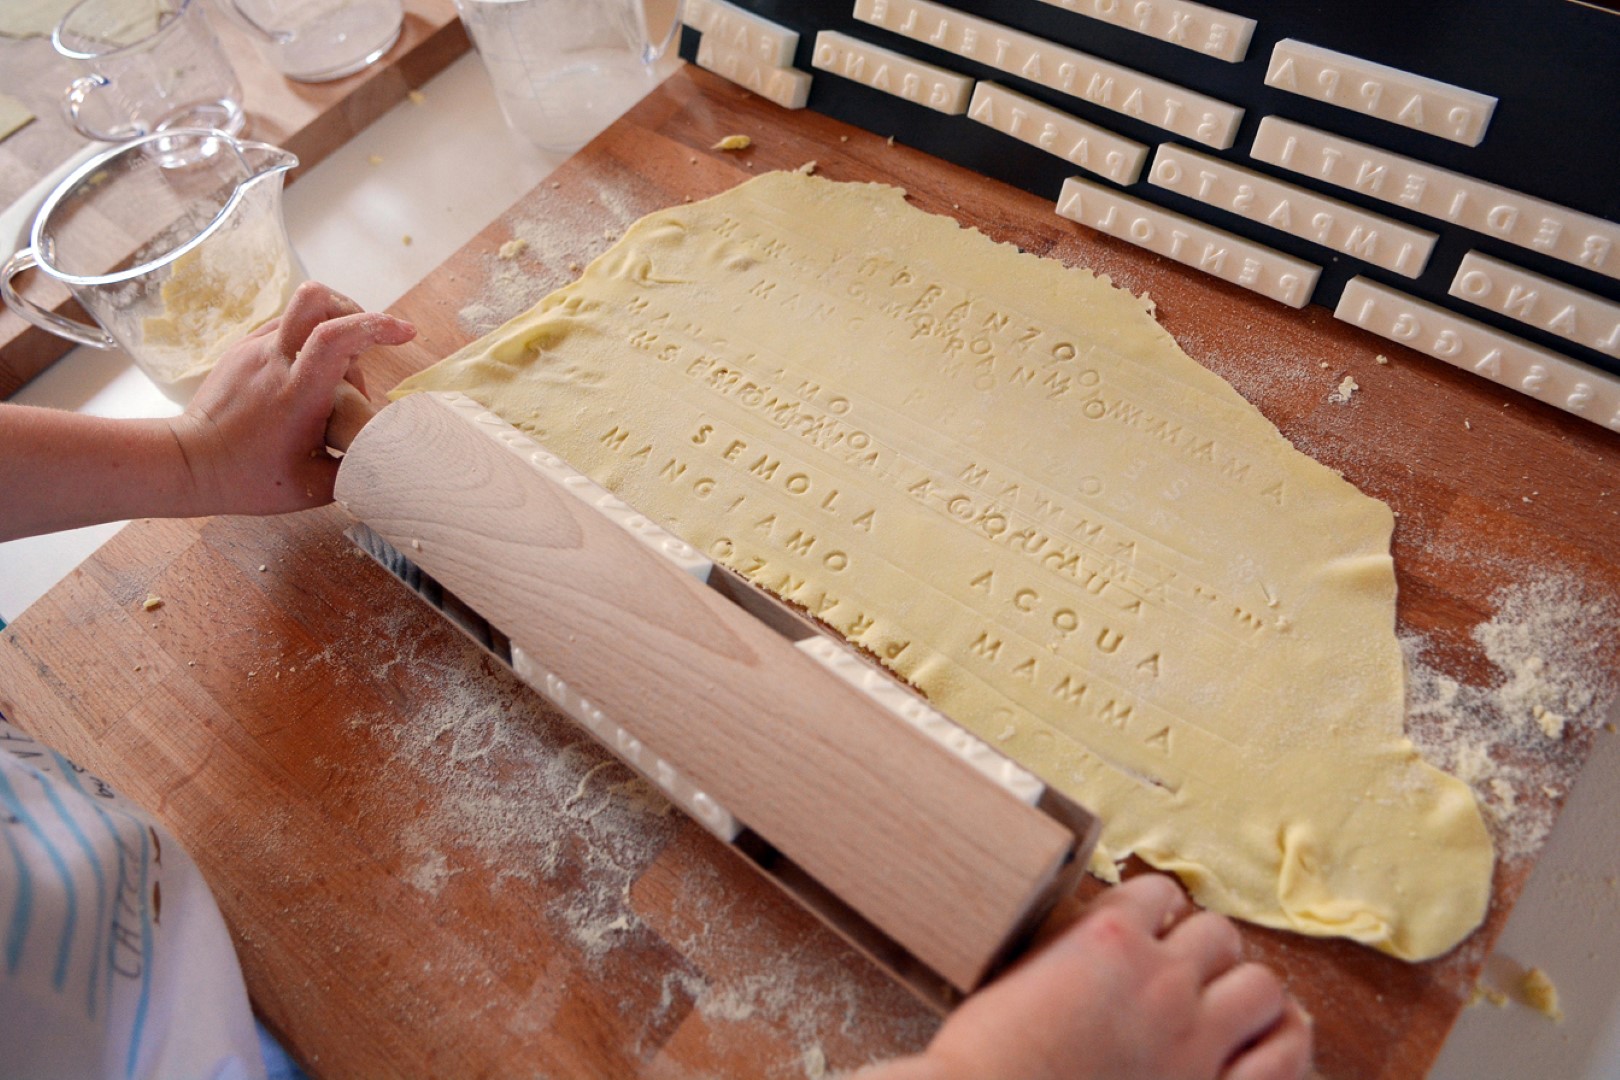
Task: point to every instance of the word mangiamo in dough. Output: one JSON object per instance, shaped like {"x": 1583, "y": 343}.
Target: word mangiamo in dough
{"x": 1003, "y": 478}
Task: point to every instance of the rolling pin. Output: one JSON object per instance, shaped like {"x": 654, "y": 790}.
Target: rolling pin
{"x": 924, "y": 847}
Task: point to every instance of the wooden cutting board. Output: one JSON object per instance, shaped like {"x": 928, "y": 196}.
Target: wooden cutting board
{"x": 427, "y": 872}
{"x": 310, "y": 119}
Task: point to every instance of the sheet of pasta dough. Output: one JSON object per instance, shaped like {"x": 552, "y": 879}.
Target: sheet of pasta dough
{"x": 1006, "y": 480}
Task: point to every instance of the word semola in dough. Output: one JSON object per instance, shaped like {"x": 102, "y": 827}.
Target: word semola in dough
{"x": 1004, "y": 480}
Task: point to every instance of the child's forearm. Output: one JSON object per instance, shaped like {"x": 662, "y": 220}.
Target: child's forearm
{"x": 253, "y": 440}
{"x": 61, "y": 470}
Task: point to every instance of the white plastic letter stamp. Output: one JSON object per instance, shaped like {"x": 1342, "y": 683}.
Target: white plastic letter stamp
{"x": 1370, "y": 237}
{"x": 788, "y": 87}
{"x": 1283, "y": 278}
{"x": 1539, "y": 301}
{"x": 891, "y": 72}
{"x": 742, "y": 31}
{"x": 1400, "y": 97}
{"x": 1501, "y": 358}
{"x": 1110, "y": 86}
{"x": 1207, "y": 30}
{"x": 1512, "y": 216}
{"x": 1083, "y": 144}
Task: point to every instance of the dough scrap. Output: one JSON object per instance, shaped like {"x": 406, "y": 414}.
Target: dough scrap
{"x": 1007, "y": 481}
{"x": 14, "y": 116}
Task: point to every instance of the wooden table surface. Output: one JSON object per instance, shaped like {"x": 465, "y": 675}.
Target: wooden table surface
{"x": 428, "y": 872}
{"x": 309, "y": 119}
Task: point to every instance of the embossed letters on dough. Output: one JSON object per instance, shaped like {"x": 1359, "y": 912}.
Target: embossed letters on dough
{"x": 1005, "y": 479}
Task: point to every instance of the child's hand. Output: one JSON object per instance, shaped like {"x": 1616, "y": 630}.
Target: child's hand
{"x": 254, "y": 436}
{"x": 1138, "y": 988}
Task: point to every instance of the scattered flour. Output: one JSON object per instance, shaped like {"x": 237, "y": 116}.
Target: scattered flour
{"x": 430, "y": 876}
{"x": 523, "y": 800}
{"x": 1519, "y": 738}
{"x": 557, "y": 233}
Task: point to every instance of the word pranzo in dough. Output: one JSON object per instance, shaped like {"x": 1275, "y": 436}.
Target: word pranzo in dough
{"x": 1007, "y": 482}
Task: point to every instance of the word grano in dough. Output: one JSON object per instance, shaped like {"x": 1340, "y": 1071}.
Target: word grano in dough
{"x": 1007, "y": 481}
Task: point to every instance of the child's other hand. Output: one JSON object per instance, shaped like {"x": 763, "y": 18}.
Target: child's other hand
{"x": 1141, "y": 988}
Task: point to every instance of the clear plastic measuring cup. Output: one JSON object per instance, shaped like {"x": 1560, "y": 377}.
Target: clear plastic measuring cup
{"x": 146, "y": 66}
{"x": 565, "y": 69}
{"x": 317, "y": 40}
{"x": 174, "y": 244}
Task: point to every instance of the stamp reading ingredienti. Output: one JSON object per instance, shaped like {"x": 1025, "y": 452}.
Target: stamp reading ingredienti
{"x": 1005, "y": 481}
{"x": 1512, "y": 216}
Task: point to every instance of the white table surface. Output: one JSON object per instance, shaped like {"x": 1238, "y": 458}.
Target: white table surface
{"x": 347, "y": 217}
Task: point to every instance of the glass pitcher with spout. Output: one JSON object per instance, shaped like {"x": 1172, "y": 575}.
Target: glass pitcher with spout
{"x": 173, "y": 243}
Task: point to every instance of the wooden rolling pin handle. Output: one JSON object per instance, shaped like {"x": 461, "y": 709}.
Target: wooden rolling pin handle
{"x": 351, "y": 411}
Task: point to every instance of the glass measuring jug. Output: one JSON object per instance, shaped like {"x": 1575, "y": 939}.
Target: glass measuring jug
{"x": 174, "y": 243}
{"x": 565, "y": 69}
{"x": 317, "y": 40}
{"x": 146, "y": 66}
